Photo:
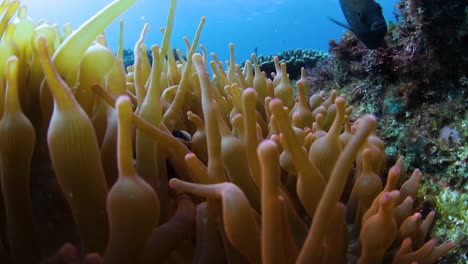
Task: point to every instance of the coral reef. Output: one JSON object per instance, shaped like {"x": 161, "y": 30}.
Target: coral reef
{"x": 294, "y": 59}
{"x": 416, "y": 86}
{"x": 129, "y": 59}
{"x": 161, "y": 163}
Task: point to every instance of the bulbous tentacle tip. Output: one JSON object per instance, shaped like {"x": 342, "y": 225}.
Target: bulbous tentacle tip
{"x": 124, "y": 106}
{"x": 275, "y": 105}
{"x": 267, "y": 146}
{"x": 93, "y": 258}
{"x": 390, "y": 196}
{"x": 175, "y": 183}
{"x": 12, "y": 100}
{"x": 40, "y": 43}
{"x": 66, "y": 254}
{"x": 12, "y": 63}
{"x": 368, "y": 119}
{"x": 197, "y": 59}
{"x": 249, "y": 94}
{"x": 340, "y": 100}
{"x": 394, "y": 172}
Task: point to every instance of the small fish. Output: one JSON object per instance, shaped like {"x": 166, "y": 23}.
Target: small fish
{"x": 365, "y": 21}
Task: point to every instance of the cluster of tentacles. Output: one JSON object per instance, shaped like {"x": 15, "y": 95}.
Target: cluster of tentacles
{"x": 257, "y": 174}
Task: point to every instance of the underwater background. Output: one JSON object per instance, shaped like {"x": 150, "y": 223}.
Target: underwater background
{"x": 416, "y": 85}
{"x": 268, "y": 26}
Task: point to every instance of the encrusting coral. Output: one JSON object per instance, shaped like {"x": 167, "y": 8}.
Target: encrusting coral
{"x": 294, "y": 59}
{"x": 255, "y": 175}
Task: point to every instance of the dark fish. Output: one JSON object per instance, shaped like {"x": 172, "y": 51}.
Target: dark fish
{"x": 365, "y": 19}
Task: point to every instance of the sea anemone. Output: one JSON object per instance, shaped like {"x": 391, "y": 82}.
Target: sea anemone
{"x": 257, "y": 174}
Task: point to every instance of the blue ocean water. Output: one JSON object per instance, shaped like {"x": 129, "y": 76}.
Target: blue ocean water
{"x": 268, "y": 26}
